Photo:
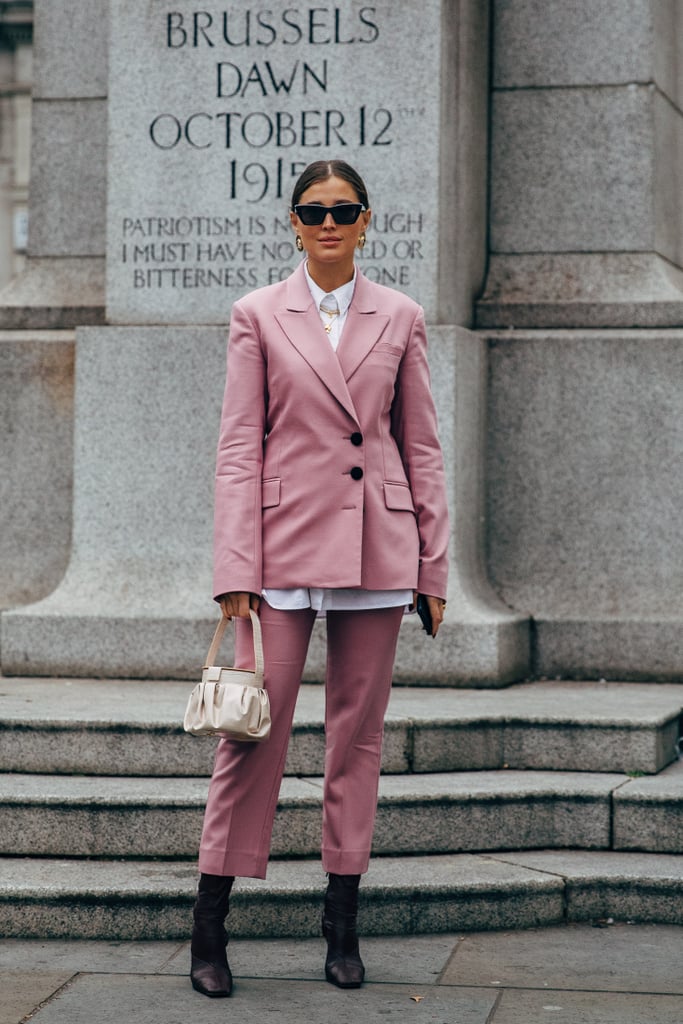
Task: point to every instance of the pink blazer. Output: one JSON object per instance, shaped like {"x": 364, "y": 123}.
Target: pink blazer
{"x": 329, "y": 470}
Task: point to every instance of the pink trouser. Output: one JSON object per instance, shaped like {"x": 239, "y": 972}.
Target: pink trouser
{"x": 243, "y": 795}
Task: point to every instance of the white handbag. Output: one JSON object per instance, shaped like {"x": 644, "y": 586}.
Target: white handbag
{"x": 230, "y": 702}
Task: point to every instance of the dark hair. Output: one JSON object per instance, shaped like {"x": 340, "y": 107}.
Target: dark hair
{"x": 320, "y": 170}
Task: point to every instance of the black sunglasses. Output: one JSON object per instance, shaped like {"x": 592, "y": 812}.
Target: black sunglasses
{"x": 312, "y": 214}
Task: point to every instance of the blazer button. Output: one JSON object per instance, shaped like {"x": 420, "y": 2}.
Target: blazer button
{"x": 356, "y": 473}
{"x": 356, "y": 438}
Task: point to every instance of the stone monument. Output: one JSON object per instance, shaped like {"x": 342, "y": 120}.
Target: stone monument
{"x": 170, "y": 200}
{"x": 166, "y": 137}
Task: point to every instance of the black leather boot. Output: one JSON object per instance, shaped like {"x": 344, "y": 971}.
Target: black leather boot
{"x": 210, "y": 973}
{"x": 343, "y": 965}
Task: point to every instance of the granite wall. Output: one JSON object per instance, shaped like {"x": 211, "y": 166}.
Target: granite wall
{"x": 586, "y": 249}
{"x": 586, "y": 223}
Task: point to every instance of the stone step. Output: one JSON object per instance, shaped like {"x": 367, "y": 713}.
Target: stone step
{"x": 112, "y": 727}
{"x": 101, "y": 816}
{"x": 648, "y": 813}
{"x": 143, "y": 900}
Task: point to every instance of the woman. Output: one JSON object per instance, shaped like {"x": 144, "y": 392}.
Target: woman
{"x": 330, "y": 499}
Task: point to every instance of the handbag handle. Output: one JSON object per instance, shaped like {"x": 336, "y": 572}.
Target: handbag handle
{"x": 258, "y": 644}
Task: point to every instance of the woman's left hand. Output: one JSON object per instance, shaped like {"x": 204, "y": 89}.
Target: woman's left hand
{"x": 437, "y": 608}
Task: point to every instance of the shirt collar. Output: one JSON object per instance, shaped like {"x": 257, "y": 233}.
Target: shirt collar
{"x": 343, "y": 295}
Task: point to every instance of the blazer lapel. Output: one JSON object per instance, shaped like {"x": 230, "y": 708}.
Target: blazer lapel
{"x": 301, "y": 323}
{"x": 362, "y": 330}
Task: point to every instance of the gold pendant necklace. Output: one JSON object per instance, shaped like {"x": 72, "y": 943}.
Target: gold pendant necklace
{"x": 331, "y": 313}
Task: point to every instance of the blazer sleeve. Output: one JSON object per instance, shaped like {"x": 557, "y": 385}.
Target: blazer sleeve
{"x": 237, "y": 510}
{"x": 414, "y": 426}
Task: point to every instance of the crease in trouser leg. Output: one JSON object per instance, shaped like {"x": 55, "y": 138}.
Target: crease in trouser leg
{"x": 361, "y": 652}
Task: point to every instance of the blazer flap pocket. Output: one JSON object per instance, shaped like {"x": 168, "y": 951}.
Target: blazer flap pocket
{"x": 386, "y": 346}
{"x": 397, "y": 496}
{"x": 271, "y": 492}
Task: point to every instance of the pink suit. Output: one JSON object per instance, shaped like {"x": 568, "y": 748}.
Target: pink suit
{"x": 329, "y": 474}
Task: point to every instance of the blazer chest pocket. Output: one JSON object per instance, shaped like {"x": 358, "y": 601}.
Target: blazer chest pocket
{"x": 388, "y": 349}
{"x": 383, "y": 352}
{"x": 397, "y": 497}
{"x": 270, "y": 492}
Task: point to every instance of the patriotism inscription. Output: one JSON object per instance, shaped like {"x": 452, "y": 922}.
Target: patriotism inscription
{"x": 213, "y": 113}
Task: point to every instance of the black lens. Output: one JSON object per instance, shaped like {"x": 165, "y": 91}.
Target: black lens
{"x": 346, "y": 213}
{"x": 312, "y": 214}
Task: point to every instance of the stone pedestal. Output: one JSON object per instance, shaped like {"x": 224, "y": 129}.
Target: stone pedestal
{"x": 586, "y": 232}
{"x": 207, "y": 117}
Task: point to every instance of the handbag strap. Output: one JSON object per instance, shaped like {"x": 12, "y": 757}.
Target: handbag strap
{"x": 258, "y": 644}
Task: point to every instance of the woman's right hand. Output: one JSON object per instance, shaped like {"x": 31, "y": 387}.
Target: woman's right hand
{"x": 237, "y": 604}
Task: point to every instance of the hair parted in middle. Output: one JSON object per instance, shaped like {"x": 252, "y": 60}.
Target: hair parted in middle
{"x": 320, "y": 170}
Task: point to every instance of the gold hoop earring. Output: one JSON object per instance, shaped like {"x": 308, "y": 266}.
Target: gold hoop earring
{"x": 299, "y": 243}
{"x": 361, "y": 240}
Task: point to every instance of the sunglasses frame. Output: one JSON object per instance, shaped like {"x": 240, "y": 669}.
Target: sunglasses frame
{"x": 325, "y": 210}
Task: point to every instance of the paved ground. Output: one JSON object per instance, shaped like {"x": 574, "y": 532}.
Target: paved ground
{"x": 577, "y": 974}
